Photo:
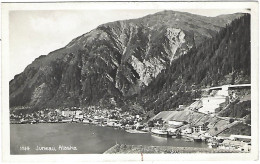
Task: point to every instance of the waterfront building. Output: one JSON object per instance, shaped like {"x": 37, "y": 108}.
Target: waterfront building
{"x": 112, "y": 122}
{"x": 78, "y": 114}
{"x": 186, "y": 131}
{"x": 86, "y": 121}
{"x": 68, "y": 113}
{"x": 97, "y": 120}
{"x": 198, "y": 128}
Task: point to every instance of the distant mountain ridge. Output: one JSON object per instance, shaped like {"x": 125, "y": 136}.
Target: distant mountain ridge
{"x": 115, "y": 61}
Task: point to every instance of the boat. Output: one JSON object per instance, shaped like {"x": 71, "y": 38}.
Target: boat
{"x": 160, "y": 132}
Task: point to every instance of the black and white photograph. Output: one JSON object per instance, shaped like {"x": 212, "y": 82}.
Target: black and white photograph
{"x": 148, "y": 79}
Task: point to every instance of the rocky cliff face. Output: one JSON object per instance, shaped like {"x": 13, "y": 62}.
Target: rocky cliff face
{"x": 116, "y": 60}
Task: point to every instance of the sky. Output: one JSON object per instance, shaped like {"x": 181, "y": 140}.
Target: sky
{"x": 37, "y": 32}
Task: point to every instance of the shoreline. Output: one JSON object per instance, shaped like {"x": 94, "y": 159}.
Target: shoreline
{"x": 115, "y": 127}
{"x": 145, "y": 149}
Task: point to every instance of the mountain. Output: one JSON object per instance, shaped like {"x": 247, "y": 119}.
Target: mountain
{"x": 221, "y": 60}
{"x": 113, "y": 63}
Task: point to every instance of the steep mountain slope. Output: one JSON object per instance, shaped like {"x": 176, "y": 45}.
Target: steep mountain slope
{"x": 223, "y": 59}
{"x": 114, "y": 61}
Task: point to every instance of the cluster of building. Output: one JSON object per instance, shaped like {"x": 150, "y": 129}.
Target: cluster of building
{"x": 91, "y": 115}
{"x": 113, "y": 118}
{"x": 46, "y": 115}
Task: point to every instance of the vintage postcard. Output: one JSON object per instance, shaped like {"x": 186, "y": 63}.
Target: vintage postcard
{"x": 129, "y": 81}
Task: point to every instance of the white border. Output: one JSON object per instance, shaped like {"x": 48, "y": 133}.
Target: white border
{"x": 6, "y": 7}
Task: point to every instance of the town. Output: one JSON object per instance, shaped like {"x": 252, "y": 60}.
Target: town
{"x": 197, "y": 122}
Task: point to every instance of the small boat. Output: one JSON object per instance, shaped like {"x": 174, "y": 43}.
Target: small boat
{"x": 160, "y": 132}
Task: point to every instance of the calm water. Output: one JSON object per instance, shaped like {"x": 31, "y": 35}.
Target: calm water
{"x": 88, "y": 139}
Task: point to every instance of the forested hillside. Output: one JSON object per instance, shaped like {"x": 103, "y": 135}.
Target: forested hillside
{"x": 223, "y": 59}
